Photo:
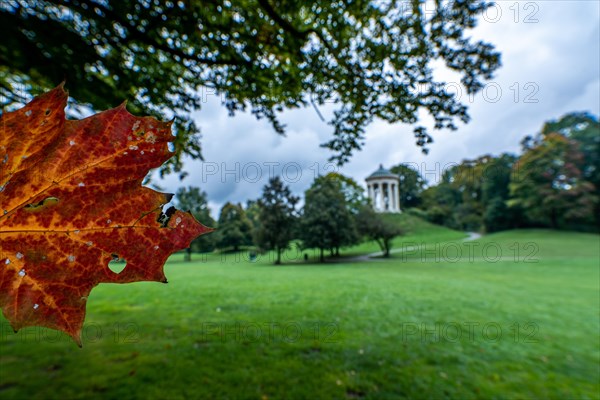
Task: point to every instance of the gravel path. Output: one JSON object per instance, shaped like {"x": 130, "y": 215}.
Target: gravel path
{"x": 377, "y": 256}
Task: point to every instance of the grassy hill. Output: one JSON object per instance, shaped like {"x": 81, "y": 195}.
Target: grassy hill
{"x": 416, "y": 231}
{"x": 512, "y": 315}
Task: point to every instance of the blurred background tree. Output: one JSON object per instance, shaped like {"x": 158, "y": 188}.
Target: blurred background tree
{"x": 327, "y": 222}
{"x": 195, "y": 201}
{"x": 277, "y": 217}
{"x": 549, "y": 185}
{"x": 411, "y": 185}
{"x": 235, "y": 229}
{"x": 375, "y": 226}
{"x": 584, "y": 129}
{"x": 369, "y": 59}
{"x": 354, "y": 194}
{"x": 497, "y": 216}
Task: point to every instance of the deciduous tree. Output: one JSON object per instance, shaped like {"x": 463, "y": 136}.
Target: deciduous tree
{"x": 411, "y": 185}
{"x": 549, "y": 186}
{"x": 379, "y": 228}
{"x": 194, "y": 200}
{"x": 583, "y": 128}
{"x": 235, "y": 230}
{"x": 326, "y": 221}
{"x": 495, "y": 194}
{"x": 277, "y": 217}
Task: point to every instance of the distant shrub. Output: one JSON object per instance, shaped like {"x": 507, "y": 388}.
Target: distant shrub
{"x": 417, "y": 212}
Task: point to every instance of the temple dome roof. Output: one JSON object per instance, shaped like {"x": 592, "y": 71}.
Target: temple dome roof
{"x": 382, "y": 173}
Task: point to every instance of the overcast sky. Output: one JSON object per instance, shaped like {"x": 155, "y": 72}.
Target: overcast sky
{"x": 550, "y": 52}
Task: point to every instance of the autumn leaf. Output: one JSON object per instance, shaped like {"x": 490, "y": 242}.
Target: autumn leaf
{"x": 72, "y": 200}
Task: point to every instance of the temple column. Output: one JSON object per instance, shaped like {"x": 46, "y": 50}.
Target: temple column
{"x": 373, "y": 195}
{"x": 393, "y": 199}
{"x": 388, "y": 200}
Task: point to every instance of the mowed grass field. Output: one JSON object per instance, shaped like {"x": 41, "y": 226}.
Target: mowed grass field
{"x": 512, "y": 315}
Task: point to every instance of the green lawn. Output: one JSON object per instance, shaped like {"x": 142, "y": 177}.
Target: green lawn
{"x": 512, "y": 315}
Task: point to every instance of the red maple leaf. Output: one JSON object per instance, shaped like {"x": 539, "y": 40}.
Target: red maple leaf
{"x": 71, "y": 200}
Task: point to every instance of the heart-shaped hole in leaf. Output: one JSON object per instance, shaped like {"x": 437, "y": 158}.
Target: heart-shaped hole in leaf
{"x": 117, "y": 264}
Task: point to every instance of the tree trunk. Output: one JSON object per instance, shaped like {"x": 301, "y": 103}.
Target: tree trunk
{"x": 337, "y": 251}
{"x": 381, "y": 245}
{"x": 278, "y": 261}
{"x": 322, "y": 256}
{"x": 387, "y": 248}
{"x": 188, "y": 255}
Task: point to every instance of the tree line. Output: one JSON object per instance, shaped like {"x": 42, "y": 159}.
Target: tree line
{"x": 335, "y": 214}
{"x": 554, "y": 183}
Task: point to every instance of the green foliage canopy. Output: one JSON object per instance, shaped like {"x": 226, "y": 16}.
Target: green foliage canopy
{"x": 549, "y": 185}
{"x": 411, "y": 185}
{"x": 370, "y": 59}
{"x": 235, "y": 229}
